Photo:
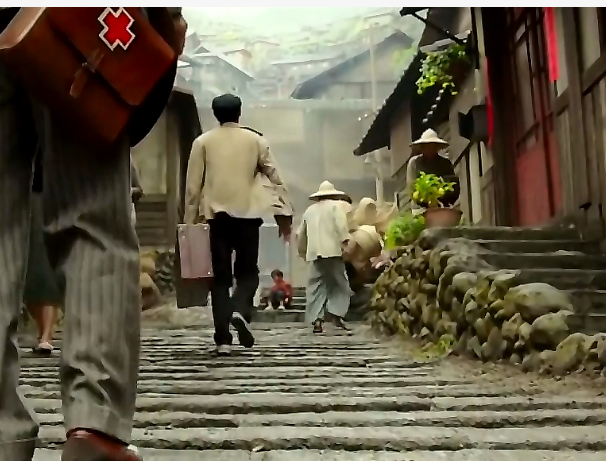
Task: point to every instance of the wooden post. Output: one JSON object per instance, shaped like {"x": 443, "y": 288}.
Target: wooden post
{"x": 580, "y": 172}
{"x": 503, "y": 169}
{"x": 172, "y": 167}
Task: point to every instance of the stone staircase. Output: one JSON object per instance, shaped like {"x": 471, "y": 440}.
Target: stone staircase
{"x": 333, "y": 397}
{"x": 555, "y": 256}
{"x": 296, "y": 312}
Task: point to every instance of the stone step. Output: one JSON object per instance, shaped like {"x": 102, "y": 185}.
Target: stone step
{"x": 298, "y": 291}
{"x": 427, "y": 391}
{"x": 206, "y": 361}
{"x": 226, "y": 371}
{"x": 338, "y": 396}
{"x": 281, "y": 403}
{"x": 590, "y": 324}
{"x": 540, "y": 246}
{"x": 297, "y": 315}
{"x": 505, "y": 233}
{"x": 588, "y": 301}
{"x": 545, "y": 261}
{"x": 565, "y": 279}
{"x": 372, "y": 438}
{"x": 333, "y": 455}
{"x": 277, "y": 316}
{"x": 475, "y": 419}
{"x": 173, "y": 385}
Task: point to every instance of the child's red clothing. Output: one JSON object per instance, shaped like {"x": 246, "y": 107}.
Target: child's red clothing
{"x": 284, "y": 287}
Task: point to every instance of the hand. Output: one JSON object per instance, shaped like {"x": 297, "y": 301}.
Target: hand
{"x": 284, "y": 226}
{"x": 284, "y": 231}
{"x": 136, "y": 194}
{"x": 180, "y": 33}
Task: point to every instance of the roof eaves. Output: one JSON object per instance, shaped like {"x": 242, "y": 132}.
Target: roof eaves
{"x": 378, "y": 134}
{"x": 304, "y": 90}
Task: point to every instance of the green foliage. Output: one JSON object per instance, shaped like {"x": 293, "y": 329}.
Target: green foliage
{"x": 435, "y": 69}
{"x": 429, "y": 189}
{"x": 439, "y": 349}
{"x": 404, "y": 230}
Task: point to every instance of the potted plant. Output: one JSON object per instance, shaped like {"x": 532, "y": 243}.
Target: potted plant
{"x": 403, "y": 230}
{"x": 429, "y": 189}
{"x": 441, "y": 68}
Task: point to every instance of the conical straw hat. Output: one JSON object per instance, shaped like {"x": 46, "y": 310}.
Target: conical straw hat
{"x": 327, "y": 190}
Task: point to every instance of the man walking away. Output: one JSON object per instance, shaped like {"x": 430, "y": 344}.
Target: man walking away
{"x": 321, "y": 235}
{"x": 220, "y": 188}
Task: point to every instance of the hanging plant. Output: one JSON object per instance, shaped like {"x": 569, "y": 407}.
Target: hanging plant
{"x": 437, "y": 68}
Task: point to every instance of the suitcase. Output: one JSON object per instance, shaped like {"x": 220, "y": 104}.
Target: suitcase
{"x": 194, "y": 251}
{"x": 92, "y": 66}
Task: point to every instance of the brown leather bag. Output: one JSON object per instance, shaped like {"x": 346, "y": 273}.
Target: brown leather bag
{"x": 59, "y": 55}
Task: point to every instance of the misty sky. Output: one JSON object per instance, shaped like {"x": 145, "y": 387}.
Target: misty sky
{"x": 275, "y": 18}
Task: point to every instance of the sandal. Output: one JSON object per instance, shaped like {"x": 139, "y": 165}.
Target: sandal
{"x": 318, "y": 327}
{"x": 44, "y": 348}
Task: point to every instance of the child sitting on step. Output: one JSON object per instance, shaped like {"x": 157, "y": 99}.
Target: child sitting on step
{"x": 280, "y": 296}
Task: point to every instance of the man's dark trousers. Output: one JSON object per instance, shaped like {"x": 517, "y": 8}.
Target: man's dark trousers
{"x": 240, "y": 236}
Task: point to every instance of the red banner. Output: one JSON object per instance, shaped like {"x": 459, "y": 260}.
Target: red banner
{"x": 551, "y": 39}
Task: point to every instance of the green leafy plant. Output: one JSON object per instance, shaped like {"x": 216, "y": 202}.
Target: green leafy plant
{"x": 429, "y": 189}
{"x": 404, "y": 230}
{"x": 437, "y": 65}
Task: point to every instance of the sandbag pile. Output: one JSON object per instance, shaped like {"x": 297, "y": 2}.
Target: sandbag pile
{"x": 445, "y": 292}
{"x": 157, "y": 278}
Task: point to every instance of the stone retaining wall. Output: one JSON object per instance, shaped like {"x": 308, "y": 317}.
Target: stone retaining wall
{"x": 441, "y": 291}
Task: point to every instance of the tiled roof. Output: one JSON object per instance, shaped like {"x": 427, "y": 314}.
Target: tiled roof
{"x": 378, "y": 134}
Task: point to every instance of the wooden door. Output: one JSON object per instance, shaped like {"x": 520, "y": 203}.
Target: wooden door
{"x": 532, "y": 141}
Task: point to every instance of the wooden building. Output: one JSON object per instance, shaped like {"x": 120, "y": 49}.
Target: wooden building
{"x": 161, "y": 159}
{"x": 351, "y": 78}
{"x": 405, "y": 114}
{"x": 545, "y": 71}
{"x": 540, "y": 72}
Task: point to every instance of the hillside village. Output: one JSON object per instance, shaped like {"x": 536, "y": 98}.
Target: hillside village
{"x": 223, "y": 56}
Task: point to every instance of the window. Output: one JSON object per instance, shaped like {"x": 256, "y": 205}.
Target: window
{"x": 529, "y": 74}
{"x": 590, "y": 35}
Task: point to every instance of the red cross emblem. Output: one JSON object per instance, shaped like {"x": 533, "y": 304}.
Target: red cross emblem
{"x": 116, "y": 28}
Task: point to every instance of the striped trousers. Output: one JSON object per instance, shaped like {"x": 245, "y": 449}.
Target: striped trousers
{"x": 87, "y": 214}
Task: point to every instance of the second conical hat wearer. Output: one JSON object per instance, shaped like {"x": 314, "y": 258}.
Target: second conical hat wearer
{"x": 327, "y": 190}
{"x": 368, "y": 212}
{"x": 385, "y": 214}
{"x": 365, "y": 213}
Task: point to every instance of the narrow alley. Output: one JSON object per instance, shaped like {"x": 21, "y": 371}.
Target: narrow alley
{"x": 339, "y": 396}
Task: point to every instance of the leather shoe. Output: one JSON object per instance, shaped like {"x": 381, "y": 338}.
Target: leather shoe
{"x": 87, "y": 446}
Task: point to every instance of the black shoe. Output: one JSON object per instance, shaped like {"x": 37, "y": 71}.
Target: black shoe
{"x": 245, "y": 335}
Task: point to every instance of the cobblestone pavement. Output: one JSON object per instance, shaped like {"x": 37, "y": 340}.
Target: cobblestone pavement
{"x": 336, "y": 397}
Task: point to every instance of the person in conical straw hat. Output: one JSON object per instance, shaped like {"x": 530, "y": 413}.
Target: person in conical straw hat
{"x": 427, "y": 159}
{"x": 370, "y": 213}
{"x": 320, "y": 239}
